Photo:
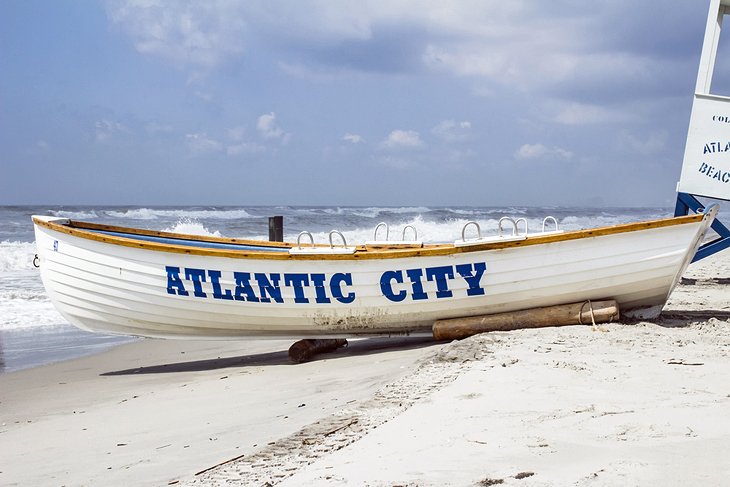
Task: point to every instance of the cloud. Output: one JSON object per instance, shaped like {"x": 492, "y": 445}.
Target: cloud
{"x": 236, "y": 133}
{"x": 406, "y": 139}
{"x": 186, "y": 33}
{"x": 244, "y": 148}
{"x": 539, "y": 151}
{"x": 353, "y": 138}
{"x": 204, "y": 96}
{"x": 399, "y": 163}
{"x": 585, "y": 114}
{"x": 154, "y": 128}
{"x": 106, "y": 129}
{"x": 200, "y": 144}
{"x": 239, "y": 145}
{"x": 40, "y": 147}
{"x": 652, "y": 144}
{"x": 269, "y": 129}
{"x": 318, "y": 74}
{"x": 452, "y": 131}
{"x": 561, "y": 50}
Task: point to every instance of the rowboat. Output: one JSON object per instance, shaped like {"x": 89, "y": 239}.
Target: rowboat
{"x": 157, "y": 284}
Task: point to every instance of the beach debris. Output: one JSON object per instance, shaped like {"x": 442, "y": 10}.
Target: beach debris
{"x": 219, "y": 464}
{"x": 524, "y": 475}
{"x": 519, "y": 476}
{"x": 328, "y": 433}
{"x": 304, "y": 350}
{"x": 681, "y": 361}
{"x": 585, "y": 312}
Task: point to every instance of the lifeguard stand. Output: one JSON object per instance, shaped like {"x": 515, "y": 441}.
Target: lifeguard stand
{"x": 706, "y": 165}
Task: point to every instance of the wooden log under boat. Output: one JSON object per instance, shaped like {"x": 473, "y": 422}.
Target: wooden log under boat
{"x": 304, "y": 350}
{"x": 583, "y": 313}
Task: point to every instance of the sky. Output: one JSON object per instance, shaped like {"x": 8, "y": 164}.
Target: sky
{"x": 367, "y": 102}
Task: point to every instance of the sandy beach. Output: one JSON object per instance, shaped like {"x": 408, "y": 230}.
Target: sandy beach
{"x": 618, "y": 404}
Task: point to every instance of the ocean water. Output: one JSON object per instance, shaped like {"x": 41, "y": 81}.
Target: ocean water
{"x": 33, "y": 333}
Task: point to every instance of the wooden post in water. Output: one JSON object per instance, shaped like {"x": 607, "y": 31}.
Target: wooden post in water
{"x": 583, "y": 313}
{"x": 276, "y": 229}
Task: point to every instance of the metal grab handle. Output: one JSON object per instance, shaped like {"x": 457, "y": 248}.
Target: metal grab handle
{"x": 463, "y": 230}
{"x": 337, "y": 232}
{"x": 415, "y": 232}
{"x": 514, "y": 225}
{"x": 550, "y": 218}
{"x": 387, "y": 231}
{"x": 517, "y": 224}
{"x": 299, "y": 239}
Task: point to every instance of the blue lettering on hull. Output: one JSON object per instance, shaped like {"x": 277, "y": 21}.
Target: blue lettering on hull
{"x": 395, "y": 285}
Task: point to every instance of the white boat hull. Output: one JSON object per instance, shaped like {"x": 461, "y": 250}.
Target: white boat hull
{"x": 100, "y": 284}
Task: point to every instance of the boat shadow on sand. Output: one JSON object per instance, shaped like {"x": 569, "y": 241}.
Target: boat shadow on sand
{"x": 669, "y": 319}
{"x": 354, "y": 348}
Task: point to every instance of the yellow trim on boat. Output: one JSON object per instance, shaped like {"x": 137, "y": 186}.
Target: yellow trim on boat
{"x": 86, "y": 231}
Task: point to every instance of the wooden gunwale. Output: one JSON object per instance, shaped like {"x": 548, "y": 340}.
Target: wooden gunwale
{"x": 86, "y": 231}
{"x": 180, "y": 236}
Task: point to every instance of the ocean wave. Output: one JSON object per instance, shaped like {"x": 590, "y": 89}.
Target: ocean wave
{"x": 603, "y": 220}
{"x": 375, "y": 211}
{"x": 16, "y": 256}
{"x": 409, "y": 209}
{"x": 7, "y": 295}
{"x": 190, "y": 226}
{"x": 462, "y": 211}
{"x": 427, "y": 231}
{"x": 365, "y": 212}
{"x": 24, "y": 315}
{"x": 75, "y": 215}
{"x": 449, "y": 230}
{"x": 153, "y": 214}
{"x": 27, "y": 308}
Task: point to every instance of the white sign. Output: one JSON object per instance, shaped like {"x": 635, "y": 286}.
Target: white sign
{"x": 706, "y": 166}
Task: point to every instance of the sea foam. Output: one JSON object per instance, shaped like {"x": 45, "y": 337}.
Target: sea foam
{"x": 27, "y": 308}
{"x": 153, "y": 214}
{"x": 430, "y": 231}
{"x": 190, "y": 226}
{"x": 75, "y": 215}
{"x": 16, "y": 256}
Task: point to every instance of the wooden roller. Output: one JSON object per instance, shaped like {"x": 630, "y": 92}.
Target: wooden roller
{"x": 303, "y": 350}
{"x": 585, "y": 313}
